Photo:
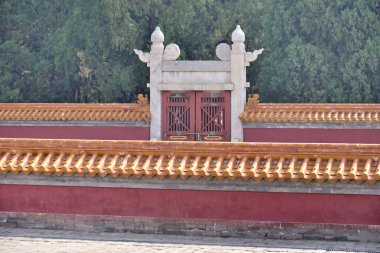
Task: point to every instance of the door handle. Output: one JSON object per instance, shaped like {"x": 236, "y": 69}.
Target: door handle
{"x": 198, "y": 135}
{"x": 178, "y": 137}
{"x": 213, "y": 138}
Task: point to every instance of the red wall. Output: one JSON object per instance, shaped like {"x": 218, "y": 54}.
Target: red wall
{"x": 225, "y": 205}
{"x": 312, "y": 135}
{"x": 76, "y": 132}
{"x": 142, "y": 133}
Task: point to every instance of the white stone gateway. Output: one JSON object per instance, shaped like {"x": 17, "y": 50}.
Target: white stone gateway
{"x": 228, "y": 74}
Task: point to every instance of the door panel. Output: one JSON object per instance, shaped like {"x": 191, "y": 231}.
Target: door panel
{"x": 213, "y": 115}
{"x": 178, "y": 116}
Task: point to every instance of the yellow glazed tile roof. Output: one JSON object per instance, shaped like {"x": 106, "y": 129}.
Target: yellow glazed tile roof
{"x": 309, "y": 113}
{"x": 73, "y": 112}
{"x": 247, "y": 161}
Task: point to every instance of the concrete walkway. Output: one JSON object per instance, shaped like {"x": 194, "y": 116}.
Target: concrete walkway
{"x": 54, "y": 241}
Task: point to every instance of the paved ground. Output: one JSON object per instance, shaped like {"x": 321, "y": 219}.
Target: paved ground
{"x": 54, "y": 241}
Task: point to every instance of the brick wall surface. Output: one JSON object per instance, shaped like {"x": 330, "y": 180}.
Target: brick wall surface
{"x": 215, "y": 228}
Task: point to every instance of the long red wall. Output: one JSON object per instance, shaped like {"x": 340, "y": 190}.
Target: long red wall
{"x": 312, "y": 135}
{"x": 76, "y": 132}
{"x": 225, "y": 205}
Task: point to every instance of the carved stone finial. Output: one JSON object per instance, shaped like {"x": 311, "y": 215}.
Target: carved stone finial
{"x": 171, "y": 52}
{"x": 252, "y": 56}
{"x": 223, "y": 52}
{"x": 253, "y": 100}
{"x": 144, "y": 57}
{"x": 142, "y": 100}
{"x": 238, "y": 35}
{"x": 157, "y": 36}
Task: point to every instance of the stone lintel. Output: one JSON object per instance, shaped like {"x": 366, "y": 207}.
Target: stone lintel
{"x": 196, "y": 66}
{"x": 195, "y": 77}
{"x": 197, "y": 86}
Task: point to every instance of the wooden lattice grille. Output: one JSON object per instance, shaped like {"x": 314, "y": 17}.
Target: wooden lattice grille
{"x": 178, "y": 118}
{"x": 178, "y": 115}
{"x": 213, "y": 120}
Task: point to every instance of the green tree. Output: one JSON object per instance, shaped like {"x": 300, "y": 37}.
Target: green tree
{"x": 196, "y": 26}
{"x": 82, "y": 51}
{"x": 321, "y": 51}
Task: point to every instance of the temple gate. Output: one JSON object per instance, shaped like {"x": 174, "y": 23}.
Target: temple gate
{"x": 197, "y": 100}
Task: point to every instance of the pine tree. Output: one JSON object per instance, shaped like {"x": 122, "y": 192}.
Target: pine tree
{"x": 321, "y": 51}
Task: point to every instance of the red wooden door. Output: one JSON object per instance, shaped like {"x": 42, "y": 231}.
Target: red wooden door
{"x": 213, "y": 115}
{"x": 178, "y": 116}
{"x": 196, "y": 116}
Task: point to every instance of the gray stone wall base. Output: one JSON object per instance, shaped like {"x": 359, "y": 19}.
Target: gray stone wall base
{"x": 214, "y": 228}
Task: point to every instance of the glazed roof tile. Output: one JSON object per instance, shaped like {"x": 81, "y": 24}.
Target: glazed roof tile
{"x": 311, "y": 113}
{"x": 247, "y": 161}
{"x": 73, "y": 112}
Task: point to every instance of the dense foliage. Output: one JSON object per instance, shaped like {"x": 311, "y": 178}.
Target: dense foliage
{"x": 82, "y": 51}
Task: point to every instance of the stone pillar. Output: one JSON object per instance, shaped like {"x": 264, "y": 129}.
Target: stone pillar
{"x": 238, "y": 79}
{"x": 155, "y": 64}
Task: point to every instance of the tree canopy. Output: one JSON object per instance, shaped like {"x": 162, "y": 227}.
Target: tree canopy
{"x": 82, "y": 51}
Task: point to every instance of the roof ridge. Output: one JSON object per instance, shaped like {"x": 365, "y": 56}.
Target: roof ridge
{"x": 257, "y": 161}
{"x": 87, "y": 112}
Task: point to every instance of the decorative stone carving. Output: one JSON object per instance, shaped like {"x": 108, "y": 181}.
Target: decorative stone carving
{"x": 252, "y": 56}
{"x": 238, "y": 35}
{"x": 142, "y": 100}
{"x": 154, "y": 60}
{"x": 223, "y": 52}
{"x": 157, "y": 36}
{"x": 253, "y": 100}
{"x": 171, "y": 52}
{"x": 144, "y": 57}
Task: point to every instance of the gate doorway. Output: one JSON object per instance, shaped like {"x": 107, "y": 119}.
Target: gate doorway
{"x": 196, "y": 115}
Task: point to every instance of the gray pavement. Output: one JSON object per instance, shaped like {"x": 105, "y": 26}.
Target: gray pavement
{"x": 58, "y": 241}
